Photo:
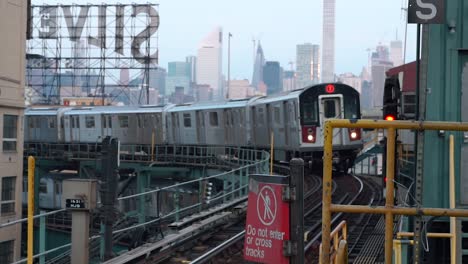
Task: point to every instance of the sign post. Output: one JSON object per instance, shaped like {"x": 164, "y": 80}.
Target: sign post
{"x": 267, "y": 227}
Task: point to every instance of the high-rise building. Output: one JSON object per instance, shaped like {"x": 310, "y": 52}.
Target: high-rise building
{"x": 380, "y": 65}
{"x": 178, "y": 75}
{"x": 328, "y": 42}
{"x": 351, "y": 80}
{"x": 209, "y": 62}
{"x": 157, "y": 80}
{"x": 307, "y": 64}
{"x": 366, "y": 95}
{"x": 289, "y": 80}
{"x": 192, "y": 61}
{"x": 396, "y": 52}
{"x": 272, "y": 77}
{"x": 239, "y": 89}
{"x": 13, "y": 16}
{"x": 257, "y": 77}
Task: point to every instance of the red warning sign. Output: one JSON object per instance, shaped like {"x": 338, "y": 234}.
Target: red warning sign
{"x": 267, "y": 224}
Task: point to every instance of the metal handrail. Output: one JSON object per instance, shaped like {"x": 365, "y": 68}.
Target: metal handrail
{"x": 246, "y": 159}
{"x": 389, "y": 209}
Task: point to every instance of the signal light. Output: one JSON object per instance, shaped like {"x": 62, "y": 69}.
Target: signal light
{"x": 391, "y": 98}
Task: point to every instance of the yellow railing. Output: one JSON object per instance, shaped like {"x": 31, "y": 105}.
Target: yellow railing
{"x": 339, "y": 251}
{"x": 389, "y": 210}
{"x": 453, "y": 234}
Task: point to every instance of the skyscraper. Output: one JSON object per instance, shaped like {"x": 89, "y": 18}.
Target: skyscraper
{"x": 257, "y": 77}
{"x": 178, "y": 76}
{"x": 272, "y": 77}
{"x": 380, "y": 64}
{"x": 307, "y": 64}
{"x": 209, "y": 62}
{"x": 192, "y": 61}
{"x": 328, "y": 42}
{"x": 396, "y": 52}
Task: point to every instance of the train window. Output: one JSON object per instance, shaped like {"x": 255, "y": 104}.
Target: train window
{"x": 57, "y": 188}
{"x": 157, "y": 120}
{"x": 187, "y": 120}
{"x": 277, "y": 115}
{"x": 214, "y": 119}
{"x": 146, "y": 120}
{"x": 109, "y": 121}
{"x": 329, "y": 108}
{"x": 241, "y": 117}
{"x": 310, "y": 113}
{"x": 89, "y": 120}
{"x": 351, "y": 107}
{"x": 31, "y": 122}
{"x": 52, "y": 122}
{"x": 123, "y": 121}
{"x": 104, "y": 122}
{"x": 139, "y": 122}
{"x": 61, "y": 122}
{"x": 75, "y": 122}
{"x": 260, "y": 117}
{"x": 43, "y": 187}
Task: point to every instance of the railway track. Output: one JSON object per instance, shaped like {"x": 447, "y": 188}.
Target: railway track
{"x": 230, "y": 250}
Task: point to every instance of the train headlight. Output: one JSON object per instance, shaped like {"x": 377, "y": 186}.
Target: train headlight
{"x": 308, "y": 134}
{"x": 354, "y": 134}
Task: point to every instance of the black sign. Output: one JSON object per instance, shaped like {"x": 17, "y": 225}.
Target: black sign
{"x": 74, "y": 204}
{"x": 426, "y": 11}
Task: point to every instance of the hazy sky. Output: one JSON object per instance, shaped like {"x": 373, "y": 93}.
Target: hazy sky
{"x": 279, "y": 25}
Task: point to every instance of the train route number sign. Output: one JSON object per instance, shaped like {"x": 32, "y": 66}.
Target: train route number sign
{"x": 267, "y": 224}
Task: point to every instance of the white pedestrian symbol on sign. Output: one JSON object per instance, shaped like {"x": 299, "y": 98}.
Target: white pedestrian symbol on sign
{"x": 266, "y": 205}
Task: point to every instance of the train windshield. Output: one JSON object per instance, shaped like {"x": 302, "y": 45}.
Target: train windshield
{"x": 351, "y": 107}
{"x": 309, "y": 113}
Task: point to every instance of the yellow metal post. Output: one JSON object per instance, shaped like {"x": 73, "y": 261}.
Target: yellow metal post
{"x": 453, "y": 221}
{"x": 389, "y": 199}
{"x": 271, "y": 151}
{"x": 342, "y": 255}
{"x": 31, "y": 167}
{"x": 327, "y": 191}
{"x": 389, "y": 209}
{"x": 397, "y": 248}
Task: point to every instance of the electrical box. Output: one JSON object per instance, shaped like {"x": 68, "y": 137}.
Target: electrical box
{"x": 79, "y": 194}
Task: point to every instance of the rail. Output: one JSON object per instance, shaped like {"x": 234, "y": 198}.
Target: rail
{"x": 218, "y": 249}
{"x": 389, "y": 210}
{"x": 242, "y": 162}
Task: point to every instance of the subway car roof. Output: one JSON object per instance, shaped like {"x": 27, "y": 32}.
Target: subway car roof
{"x": 213, "y": 105}
{"x": 115, "y": 109}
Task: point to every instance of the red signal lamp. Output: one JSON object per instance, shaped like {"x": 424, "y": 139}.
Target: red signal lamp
{"x": 389, "y": 118}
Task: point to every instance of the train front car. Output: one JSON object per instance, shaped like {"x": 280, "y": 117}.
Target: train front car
{"x": 329, "y": 101}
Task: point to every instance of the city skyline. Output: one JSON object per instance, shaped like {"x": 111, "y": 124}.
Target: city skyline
{"x": 279, "y": 27}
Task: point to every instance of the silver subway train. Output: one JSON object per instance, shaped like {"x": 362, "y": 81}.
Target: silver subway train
{"x": 295, "y": 120}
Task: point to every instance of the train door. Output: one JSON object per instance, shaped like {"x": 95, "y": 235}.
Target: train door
{"x": 175, "y": 127}
{"x": 268, "y": 122}
{"x": 227, "y": 126}
{"x": 106, "y": 125}
{"x": 253, "y": 125}
{"x": 331, "y": 107}
{"x": 75, "y": 128}
{"x": 286, "y": 123}
{"x": 200, "y": 127}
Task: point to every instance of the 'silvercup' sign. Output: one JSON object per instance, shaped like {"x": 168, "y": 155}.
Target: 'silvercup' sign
{"x": 77, "y": 17}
